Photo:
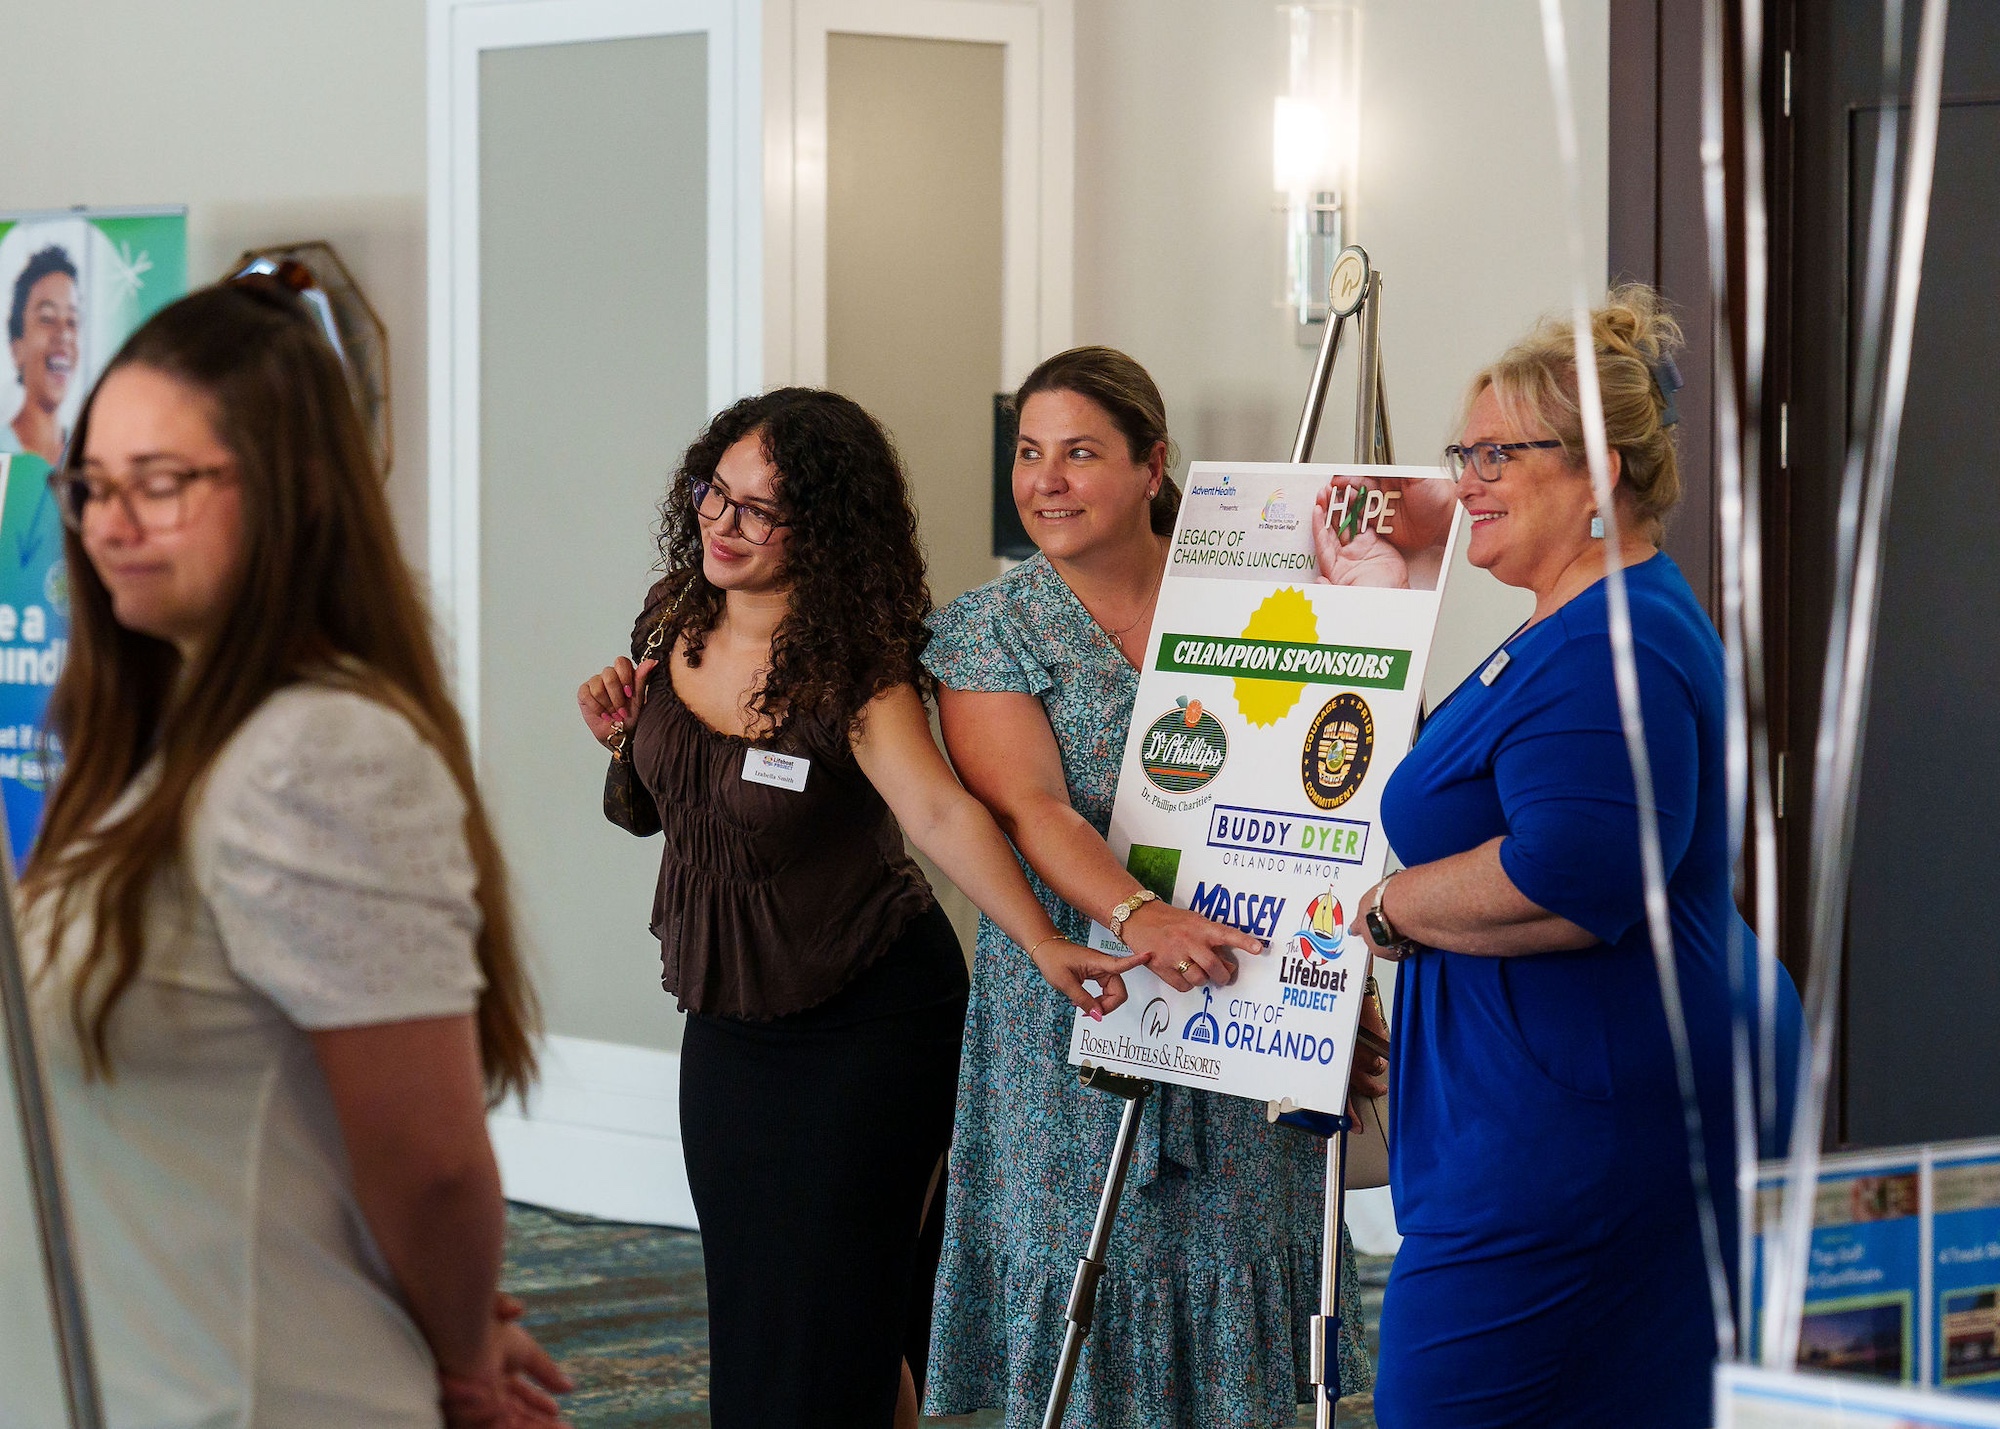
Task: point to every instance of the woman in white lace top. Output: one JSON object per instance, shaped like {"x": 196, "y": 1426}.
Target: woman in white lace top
{"x": 275, "y": 975}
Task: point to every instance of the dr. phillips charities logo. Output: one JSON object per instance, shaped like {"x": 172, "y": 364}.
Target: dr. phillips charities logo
{"x": 1153, "y": 1021}
{"x": 1184, "y": 748}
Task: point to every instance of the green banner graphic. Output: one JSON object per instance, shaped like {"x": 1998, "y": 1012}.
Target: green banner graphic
{"x": 1284, "y": 660}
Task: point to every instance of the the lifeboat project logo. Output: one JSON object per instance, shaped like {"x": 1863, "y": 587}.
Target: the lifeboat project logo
{"x": 1324, "y": 933}
{"x": 1184, "y": 748}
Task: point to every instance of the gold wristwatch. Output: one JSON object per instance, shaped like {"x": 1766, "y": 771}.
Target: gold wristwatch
{"x": 1127, "y": 909}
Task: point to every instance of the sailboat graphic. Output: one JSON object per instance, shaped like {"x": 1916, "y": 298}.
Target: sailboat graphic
{"x": 1202, "y": 1027}
{"x": 1325, "y": 930}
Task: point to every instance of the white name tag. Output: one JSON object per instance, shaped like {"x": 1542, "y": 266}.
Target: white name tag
{"x": 780, "y": 771}
{"x": 1493, "y": 668}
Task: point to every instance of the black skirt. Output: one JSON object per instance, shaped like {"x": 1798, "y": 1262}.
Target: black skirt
{"x": 811, "y": 1141}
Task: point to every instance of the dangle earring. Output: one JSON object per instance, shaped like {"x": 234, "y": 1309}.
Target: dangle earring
{"x": 1596, "y": 527}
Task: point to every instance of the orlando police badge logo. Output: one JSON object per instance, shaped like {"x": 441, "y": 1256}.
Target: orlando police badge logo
{"x": 1339, "y": 744}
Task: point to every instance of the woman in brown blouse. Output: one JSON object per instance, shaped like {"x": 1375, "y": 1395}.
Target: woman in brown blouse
{"x": 785, "y": 742}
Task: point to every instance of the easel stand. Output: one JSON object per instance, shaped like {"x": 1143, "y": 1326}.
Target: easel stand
{"x": 1355, "y": 288}
{"x": 1326, "y": 1324}
{"x": 45, "y": 1182}
{"x": 1089, "y": 1270}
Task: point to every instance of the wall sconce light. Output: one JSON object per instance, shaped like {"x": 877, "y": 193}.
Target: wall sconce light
{"x": 1315, "y": 129}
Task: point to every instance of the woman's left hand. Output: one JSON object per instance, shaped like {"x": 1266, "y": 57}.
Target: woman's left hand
{"x": 1064, "y": 966}
{"x": 1359, "y": 927}
{"x": 516, "y": 1389}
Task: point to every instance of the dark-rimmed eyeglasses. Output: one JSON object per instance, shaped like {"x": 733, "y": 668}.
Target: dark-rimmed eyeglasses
{"x": 1487, "y": 459}
{"x": 753, "y": 523}
{"x": 156, "y": 499}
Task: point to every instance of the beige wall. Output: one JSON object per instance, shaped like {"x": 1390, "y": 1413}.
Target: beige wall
{"x": 913, "y": 224}
{"x": 272, "y": 122}
{"x": 1178, "y": 250}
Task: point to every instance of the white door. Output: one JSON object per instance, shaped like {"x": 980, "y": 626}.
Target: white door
{"x": 595, "y": 179}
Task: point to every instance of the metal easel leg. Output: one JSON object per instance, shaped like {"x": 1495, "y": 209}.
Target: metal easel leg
{"x": 1083, "y": 1293}
{"x": 59, "y": 1264}
{"x": 1326, "y": 1324}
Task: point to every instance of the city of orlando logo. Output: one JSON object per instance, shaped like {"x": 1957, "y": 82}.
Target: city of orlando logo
{"x": 1339, "y": 744}
{"x": 1184, "y": 748}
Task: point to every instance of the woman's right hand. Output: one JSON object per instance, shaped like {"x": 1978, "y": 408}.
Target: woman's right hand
{"x": 1185, "y": 949}
{"x": 610, "y": 701}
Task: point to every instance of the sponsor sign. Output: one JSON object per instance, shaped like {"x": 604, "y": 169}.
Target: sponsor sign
{"x": 1278, "y": 691}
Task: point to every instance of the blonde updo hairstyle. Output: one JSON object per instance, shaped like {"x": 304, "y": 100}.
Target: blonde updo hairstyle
{"x": 1634, "y": 336}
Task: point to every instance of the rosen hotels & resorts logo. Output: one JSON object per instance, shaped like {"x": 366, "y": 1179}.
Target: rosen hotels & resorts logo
{"x": 1339, "y": 744}
{"x": 1184, "y": 748}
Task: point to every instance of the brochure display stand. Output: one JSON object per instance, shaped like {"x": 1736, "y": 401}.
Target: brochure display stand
{"x": 1279, "y": 688}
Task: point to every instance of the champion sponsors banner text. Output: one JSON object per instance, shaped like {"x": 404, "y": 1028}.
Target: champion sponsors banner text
{"x": 1280, "y": 688}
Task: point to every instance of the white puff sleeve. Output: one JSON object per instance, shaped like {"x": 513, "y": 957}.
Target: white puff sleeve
{"x": 330, "y": 847}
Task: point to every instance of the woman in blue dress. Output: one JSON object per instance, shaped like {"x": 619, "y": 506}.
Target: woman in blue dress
{"x": 1552, "y": 1271}
{"x": 1203, "y": 1317}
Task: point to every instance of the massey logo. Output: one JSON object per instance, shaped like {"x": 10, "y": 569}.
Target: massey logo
{"x": 1255, "y": 914}
{"x": 1184, "y": 748}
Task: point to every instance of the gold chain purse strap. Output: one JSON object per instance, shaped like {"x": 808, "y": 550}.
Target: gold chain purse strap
{"x": 652, "y": 646}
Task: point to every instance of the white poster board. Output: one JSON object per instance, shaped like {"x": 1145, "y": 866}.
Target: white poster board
{"x": 1280, "y": 688}
{"x": 1747, "y": 1397}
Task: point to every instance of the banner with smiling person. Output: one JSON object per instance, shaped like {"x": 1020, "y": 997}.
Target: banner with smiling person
{"x": 1282, "y": 684}
{"x": 76, "y": 284}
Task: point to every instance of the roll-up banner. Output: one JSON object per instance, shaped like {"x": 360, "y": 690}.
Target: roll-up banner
{"x": 76, "y": 285}
{"x": 1281, "y": 685}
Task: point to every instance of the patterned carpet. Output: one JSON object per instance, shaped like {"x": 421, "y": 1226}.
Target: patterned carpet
{"x": 623, "y": 1308}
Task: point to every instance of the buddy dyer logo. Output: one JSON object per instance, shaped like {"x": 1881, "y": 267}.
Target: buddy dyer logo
{"x": 1285, "y": 660}
{"x": 1268, "y": 831}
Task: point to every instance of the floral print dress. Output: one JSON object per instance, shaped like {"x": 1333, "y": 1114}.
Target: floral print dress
{"x": 1203, "y": 1317}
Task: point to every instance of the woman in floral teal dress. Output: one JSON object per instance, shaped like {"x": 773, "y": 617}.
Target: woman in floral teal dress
{"x": 1203, "y": 1318}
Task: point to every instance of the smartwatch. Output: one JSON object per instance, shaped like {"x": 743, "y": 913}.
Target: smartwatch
{"x": 1381, "y": 929}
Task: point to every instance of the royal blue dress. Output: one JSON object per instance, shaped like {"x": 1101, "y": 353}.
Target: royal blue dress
{"x": 1552, "y": 1270}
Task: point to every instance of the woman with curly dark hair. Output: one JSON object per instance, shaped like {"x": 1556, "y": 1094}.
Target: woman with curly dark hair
{"x": 785, "y": 741}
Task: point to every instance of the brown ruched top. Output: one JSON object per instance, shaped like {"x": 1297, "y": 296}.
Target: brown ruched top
{"x": 770, "y": 900}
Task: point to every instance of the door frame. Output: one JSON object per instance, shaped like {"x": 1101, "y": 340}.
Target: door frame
{"x": 458, "y": 33}
{"x": 1038, "y": 167}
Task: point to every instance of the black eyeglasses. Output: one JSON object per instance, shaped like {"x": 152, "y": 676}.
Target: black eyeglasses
{"x": 753, "y": 523}
{"x": 1487, "y": 459}
{"x": 156, "y": 498}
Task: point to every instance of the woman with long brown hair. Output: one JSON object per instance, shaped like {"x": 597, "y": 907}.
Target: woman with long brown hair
{"x": 277, "y": 978}
{"x": 774, "y": 709}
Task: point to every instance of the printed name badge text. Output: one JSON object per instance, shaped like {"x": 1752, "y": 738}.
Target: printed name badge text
{"x": 780, "y": 771}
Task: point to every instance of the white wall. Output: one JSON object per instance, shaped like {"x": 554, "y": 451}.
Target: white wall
{"x": 272, "y": 122}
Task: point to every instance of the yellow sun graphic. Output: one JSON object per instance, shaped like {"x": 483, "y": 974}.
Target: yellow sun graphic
{"x": 1285, "y": 615}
